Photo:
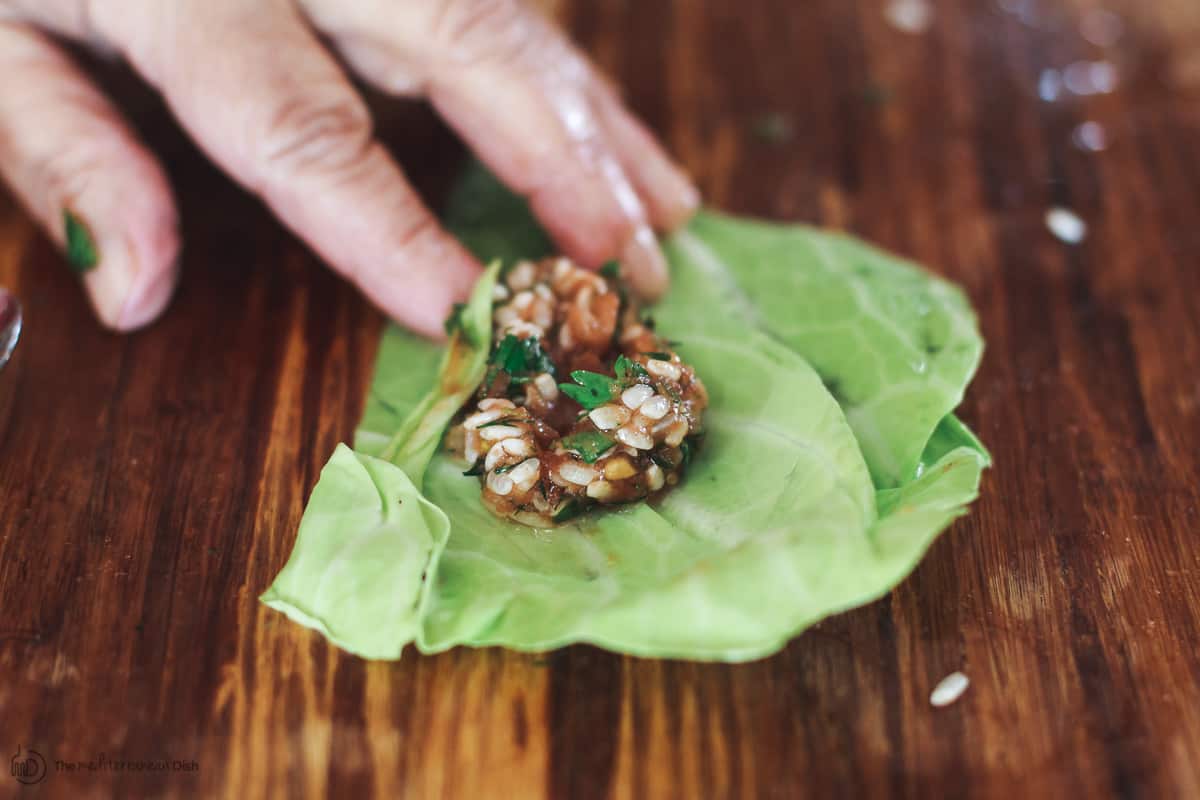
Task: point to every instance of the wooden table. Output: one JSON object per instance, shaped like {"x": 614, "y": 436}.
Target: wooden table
{"x": 150, "y": 485}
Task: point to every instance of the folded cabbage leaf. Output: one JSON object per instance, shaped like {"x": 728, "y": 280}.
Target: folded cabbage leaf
{"x": 369, "y": 539}
{"x": 803, "y": 501}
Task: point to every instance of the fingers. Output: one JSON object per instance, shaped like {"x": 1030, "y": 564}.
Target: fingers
{"x": 256, "y": 90}
{"x": 669, "y": 195}
{"x": 260, "y": 95}
{"x": 518, "y": 95}
{"x": 528, "y": 105}
{"x": 67, "y": 155}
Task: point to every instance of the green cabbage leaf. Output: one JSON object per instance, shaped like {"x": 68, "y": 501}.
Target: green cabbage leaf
{"x": 832, "y": 460}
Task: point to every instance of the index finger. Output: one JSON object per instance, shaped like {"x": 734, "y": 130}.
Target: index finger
{"x": 257, "y": 91}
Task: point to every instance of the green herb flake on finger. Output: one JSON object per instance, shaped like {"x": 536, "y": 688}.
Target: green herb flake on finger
{"x": 82, "y": 254}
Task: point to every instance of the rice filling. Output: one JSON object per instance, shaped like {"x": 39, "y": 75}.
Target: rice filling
{"x": 583, "y": 403}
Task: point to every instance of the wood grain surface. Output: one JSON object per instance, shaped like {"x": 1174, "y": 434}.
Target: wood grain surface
{"x": 151, "y": 485}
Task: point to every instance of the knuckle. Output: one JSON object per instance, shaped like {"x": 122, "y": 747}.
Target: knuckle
{"x": 314, "y": 133}
{"x": 417, "y": 227}
{"x": 488, "y": 30}
{"x": 464, "y": 20}
{"x": 59, "y": 183}
{"x": 65, "y": 174}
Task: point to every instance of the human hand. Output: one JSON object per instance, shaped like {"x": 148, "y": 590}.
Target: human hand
{"x": 257, "y": 90}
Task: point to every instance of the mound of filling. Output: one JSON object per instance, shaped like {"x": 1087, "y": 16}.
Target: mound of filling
{"x": 583, "y": 403}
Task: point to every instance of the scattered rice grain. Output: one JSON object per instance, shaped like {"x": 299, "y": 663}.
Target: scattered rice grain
{"x": 1066, "y": 225}
{"x": 949, "y": 689}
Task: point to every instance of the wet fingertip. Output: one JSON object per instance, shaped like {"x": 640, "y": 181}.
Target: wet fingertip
{"x": 680, "y": 202}
{"x": 643, "y": 261}
{"x": 153, "y": 254}
{"x": 688, "y": 199}
{"x": 134, "y": 282}
{"x": 431, "y": 324}
{"x": 419, "y": 285}
{"x": 148, "y": 300}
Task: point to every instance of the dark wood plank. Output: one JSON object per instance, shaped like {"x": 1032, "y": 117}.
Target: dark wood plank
{"x": 150, "y": 485}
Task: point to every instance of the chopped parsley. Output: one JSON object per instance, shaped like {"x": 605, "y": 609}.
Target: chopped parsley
{"x": 658, "y": 355}
{"x": 476, "y": 468}
{"x": 520, "y": 358}
{"x": 661, "y": 460}
{"x": 82, "y": 253}
{"x": 507, "y": 467}
{"x": 501, "y": 421}
{"x": 568, "y": 510}
{"x": 590, "y": 445}
{"x": 611, "y": 270}
{"x": 628, "y": 370}
{"x": 591, "y": 389}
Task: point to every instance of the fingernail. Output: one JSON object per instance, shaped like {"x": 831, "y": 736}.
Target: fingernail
{"x": 685, "y": 199}
{"x": 109, "y": 287}
{"x": 689, "y": 195}
{"x": 82, "y": 254}
{"x": 644, "y": 263}
{"x": 145, "y": 303}
{"x": 123, "y": 295}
